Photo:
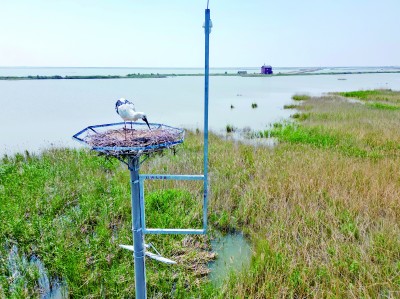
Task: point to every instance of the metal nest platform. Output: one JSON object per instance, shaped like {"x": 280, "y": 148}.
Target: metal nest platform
{"x": 135, "y": 139}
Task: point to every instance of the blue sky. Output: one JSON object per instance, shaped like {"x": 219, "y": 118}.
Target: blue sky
{"x": 160, "y": 33}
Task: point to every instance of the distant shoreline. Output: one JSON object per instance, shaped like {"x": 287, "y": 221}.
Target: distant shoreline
{"x": 152, "y": 75}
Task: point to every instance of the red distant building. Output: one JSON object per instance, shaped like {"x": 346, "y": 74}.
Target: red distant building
{"x": 266, "y": 70}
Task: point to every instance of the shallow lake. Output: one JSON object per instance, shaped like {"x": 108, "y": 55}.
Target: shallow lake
{"x": 36, "y": 114}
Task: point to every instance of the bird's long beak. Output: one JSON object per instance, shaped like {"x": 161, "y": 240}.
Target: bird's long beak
{"x": 145, "y": 120}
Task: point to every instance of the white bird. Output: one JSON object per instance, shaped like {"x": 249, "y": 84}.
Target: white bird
{"x": 126, "y": 110}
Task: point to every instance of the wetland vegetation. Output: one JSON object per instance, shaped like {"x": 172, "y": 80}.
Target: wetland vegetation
{"x": 321, "y": 210}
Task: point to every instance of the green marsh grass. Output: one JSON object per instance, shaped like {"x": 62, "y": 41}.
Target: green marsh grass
{"x": 383, "y": 95}
{"x": 378, "y": 105}
{"x": 300, "y": 97}
{"x": 291, "y": 106}
{"x": 300, "y": 116}
{"x": 321, "y": 209}
{"x": 385, "y": 99}
{"x": 72, "y": 210}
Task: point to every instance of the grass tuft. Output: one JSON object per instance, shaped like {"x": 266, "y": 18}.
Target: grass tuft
{"x": 300, "y": 97}
{"x": 293, "y": 106}
{"x": 300, "y": 116}
{"x": 230, "y": 129}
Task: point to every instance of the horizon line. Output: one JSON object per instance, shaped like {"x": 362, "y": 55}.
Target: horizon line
{"x": 191, "y": 67}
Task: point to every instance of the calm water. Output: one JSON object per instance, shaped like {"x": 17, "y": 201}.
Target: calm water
{"x": 36, "y": 114}
{"x": 233, "y": 254}
{"x": 18, "y": 265}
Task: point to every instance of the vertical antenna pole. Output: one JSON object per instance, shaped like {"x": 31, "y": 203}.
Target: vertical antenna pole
{"x": 137, "y": 230}
{"x": 206, "y": 79}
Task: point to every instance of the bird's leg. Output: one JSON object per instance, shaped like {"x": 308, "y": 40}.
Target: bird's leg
{"x": 125, "y": 129}
{"x": 131, "y": 128}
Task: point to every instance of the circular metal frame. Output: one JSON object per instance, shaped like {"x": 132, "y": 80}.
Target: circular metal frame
{"x": 84, "y": 135}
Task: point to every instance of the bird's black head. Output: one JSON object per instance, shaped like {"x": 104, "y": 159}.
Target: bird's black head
{"x": 144, "y": 118}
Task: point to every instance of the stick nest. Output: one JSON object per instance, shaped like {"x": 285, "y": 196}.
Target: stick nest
{"x": 135, "y": 138}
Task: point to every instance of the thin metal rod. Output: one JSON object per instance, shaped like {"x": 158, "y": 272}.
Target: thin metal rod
{"x": 176, "y": 231}
{"x": 182, "y": 177}
{"x": 137, "y": 231}
{"x": 206, "y": 82}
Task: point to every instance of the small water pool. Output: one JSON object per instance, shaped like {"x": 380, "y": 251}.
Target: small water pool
{"x": 233, "y": 254}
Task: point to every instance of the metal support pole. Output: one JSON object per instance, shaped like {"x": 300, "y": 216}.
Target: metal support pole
{"x": 137, "y": 230}
{"x": 206, "y": 79}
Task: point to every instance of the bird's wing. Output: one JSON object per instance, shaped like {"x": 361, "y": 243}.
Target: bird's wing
{"x": 130, "y": 104}
{"x": 125, "y": 103}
